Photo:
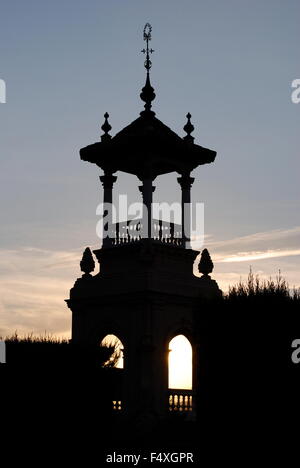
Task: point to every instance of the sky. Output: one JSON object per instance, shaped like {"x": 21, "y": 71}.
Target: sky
{"x": 65, "y": 63}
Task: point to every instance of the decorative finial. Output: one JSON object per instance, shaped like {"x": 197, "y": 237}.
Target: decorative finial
{"x": 206, "y": 265}
{"x": 147, "y": 37}
{"x": 147, "y": 95}
{"x": 106, "y": 127}
{"x": 189, "y": 128}
{"x": 87, "y": 263}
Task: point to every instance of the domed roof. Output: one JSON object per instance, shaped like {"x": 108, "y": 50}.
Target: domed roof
{"x": 147, "y": 147}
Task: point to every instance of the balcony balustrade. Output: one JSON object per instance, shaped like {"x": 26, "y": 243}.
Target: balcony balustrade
{"x": 180, "y": 400}
{"x": 132, "y": 231}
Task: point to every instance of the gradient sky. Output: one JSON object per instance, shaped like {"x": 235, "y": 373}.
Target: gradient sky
{"x": 65, "y": 63}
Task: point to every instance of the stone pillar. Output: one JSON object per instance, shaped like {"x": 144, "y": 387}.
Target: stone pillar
{"x": 186, "y": 182}
{"x": 107, "y": 181}
{"x": 147, "y": 190}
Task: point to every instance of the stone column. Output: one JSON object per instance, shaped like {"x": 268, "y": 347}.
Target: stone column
{"x": 107, "y": 181}
{"x": 186, "y": 182}
{"x": 147, "y": 190}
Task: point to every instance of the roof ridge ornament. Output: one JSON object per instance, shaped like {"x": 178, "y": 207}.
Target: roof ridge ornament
{"x": 147, "y": 95}
{"x": 106, "y": 127}
{"x": 189, "y": 128}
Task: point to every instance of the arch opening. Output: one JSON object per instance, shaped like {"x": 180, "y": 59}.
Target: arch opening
{"x": 180, "y": 363}
{"x": 117, "y": 358}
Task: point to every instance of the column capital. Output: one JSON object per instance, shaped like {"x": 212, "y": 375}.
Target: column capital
{"x": 185, "y": 181}
{"x": 108, "y": 180}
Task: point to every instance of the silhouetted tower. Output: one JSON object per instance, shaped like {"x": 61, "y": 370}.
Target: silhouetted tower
{"x": 146, "y": 292}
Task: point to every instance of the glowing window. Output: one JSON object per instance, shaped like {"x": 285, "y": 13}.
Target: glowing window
{"x": 180, "y": 363}
{"x": 116, "y": 359}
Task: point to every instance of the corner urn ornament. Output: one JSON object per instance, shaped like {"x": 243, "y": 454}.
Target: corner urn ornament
{"x": 87, "y": 264}
{"x": 206, "y": 265}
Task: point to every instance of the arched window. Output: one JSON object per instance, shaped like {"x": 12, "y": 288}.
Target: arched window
{"x": 180, "y": 363}
{"x": 116, "y": 359}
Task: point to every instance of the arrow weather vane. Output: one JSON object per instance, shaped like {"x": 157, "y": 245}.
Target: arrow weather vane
{"x": 147, "y": 51}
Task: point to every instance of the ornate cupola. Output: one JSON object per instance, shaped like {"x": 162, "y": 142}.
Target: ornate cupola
{"x": 147, "y": 148}
{"x": 146, "y": 292}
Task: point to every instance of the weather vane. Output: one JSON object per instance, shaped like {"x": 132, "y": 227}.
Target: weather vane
{"x": 147, "y": 51}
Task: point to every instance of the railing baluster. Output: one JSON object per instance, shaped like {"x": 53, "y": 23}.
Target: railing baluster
{"x": 180, "y": 400}
{"x": 172, "y": 233}
{"x": 160, "y": 230}
{"x": 127, "y": 231}
{"x": 117, "y": 233}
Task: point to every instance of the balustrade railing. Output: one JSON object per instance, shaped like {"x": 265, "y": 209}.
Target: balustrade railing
{"x": 161, "y": 231}
{"x": 180, "y": 400}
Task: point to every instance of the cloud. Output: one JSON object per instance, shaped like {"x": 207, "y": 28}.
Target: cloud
{"x": 231, "y": 273}
{"x": 34, "y": 284}
{"x": 258, "y": 246}
{"x": 281, "y": 239}
{"x": 251, "y": 256}
{"x": 265, "y": 252}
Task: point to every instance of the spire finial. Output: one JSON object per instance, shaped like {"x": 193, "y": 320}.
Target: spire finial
{"x": 147, "y": 95}
{"x": 189, "y": 128}
{"x": 106, "y": 127}
{"x": 147, "y": 37}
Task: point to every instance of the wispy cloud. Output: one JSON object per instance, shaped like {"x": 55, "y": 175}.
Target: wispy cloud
{"x": 277, "y": 237}
{"x": 257, "y": 246}
{"x": 266, "y": 252}
{"x": 35, "y": 282}
{"x": 251, "y": 256}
